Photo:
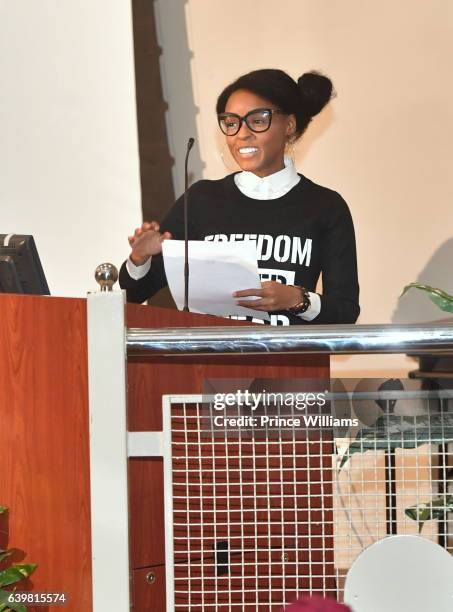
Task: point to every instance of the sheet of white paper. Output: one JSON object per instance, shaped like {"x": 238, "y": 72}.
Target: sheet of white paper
{"x": 216, "y": 270}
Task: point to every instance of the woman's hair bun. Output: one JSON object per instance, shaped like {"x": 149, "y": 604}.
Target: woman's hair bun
{"x": 316, "y": 90}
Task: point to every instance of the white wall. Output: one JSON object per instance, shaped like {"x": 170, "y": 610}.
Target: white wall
{"x": 384, "y": 143}
{"x": 68, "y": 145}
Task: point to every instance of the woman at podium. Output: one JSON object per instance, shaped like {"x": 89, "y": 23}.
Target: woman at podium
{"x": 301, "y": 229}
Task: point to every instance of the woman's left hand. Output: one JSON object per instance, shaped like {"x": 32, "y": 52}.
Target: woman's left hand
{"x": 272, "y": 296}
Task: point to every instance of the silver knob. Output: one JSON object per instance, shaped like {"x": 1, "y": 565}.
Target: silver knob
{"x": 106, "y": 275}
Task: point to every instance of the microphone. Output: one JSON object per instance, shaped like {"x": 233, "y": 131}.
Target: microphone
{"x": 190, "y": 144}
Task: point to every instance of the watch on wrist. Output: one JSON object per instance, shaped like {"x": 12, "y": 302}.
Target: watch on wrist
{"x": 303, "y": 305}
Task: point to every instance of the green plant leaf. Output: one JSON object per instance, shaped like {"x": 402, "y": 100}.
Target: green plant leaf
{"x": 392, "y": 431}
{"x": 440, "y": 298}
{"x": 12, "y": 575}
{"x": 434, "y": 509}
{"x": 15, "y": 573}
{"x": 6, "y": 605}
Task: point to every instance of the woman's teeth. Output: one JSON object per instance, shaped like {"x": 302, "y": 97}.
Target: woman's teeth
{"x": 247, "y": 150}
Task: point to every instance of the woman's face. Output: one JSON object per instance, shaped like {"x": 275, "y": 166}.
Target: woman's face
{"x": 258, "y": 152}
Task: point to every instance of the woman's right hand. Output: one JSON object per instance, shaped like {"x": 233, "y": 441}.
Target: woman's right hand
{"x": 146, "y": 241}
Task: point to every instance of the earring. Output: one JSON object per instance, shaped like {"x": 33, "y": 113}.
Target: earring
{"x": 226, "y": 158}
{"x": 289, "y": 150}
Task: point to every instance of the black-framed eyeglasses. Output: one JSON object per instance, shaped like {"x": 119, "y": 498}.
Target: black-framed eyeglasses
{"x": 257, "y": 120}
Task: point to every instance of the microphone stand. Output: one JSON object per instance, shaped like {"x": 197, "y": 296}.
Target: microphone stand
{"x": 190, "y": 144}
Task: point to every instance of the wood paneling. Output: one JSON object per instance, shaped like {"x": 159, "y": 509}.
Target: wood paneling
{"x": 44, "y": 474}
{"x": 148, "y": 589}
{"x": 146, "y": 503}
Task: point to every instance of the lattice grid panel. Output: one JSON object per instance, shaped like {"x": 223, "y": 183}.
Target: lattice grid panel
{"x": 259, "y": 521}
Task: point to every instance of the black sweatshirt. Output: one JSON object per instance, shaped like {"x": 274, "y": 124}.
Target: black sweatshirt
{"x": 306, "y": 232}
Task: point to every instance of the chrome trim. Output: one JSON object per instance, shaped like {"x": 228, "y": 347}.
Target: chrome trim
{"x": 314, "y": 339}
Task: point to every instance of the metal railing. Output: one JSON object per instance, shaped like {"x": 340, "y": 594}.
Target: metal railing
{"x": 327, "y": 339}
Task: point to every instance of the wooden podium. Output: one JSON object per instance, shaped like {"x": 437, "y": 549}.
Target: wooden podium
{"x": 45, "y": 448}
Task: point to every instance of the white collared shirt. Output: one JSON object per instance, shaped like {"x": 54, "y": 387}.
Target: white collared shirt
{"x": 269, "y": 187}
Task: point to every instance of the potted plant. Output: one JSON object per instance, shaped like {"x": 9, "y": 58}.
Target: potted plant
{"x": 11, "y": 575}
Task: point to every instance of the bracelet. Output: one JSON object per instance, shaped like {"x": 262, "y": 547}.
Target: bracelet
{"x": 303, "y": 305}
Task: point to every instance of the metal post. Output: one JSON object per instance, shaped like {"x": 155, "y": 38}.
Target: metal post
{"x": 108, "y": 451}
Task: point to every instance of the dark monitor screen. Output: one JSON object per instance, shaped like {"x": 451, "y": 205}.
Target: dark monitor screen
{"x": 20, "y": 266}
